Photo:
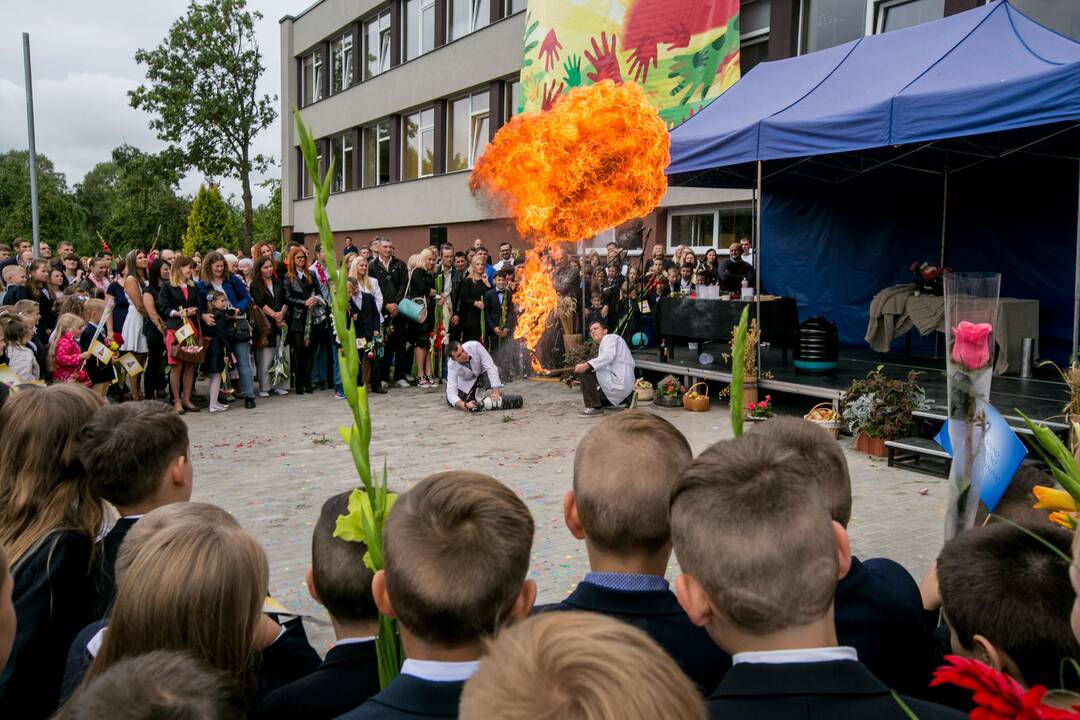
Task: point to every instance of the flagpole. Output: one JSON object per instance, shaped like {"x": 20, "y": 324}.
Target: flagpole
{"x": 33, "y": 147}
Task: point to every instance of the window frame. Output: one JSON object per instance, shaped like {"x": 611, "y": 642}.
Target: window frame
{"x": 420, "y": 131}
{"x": 377, "y": 127}
{"x": 801, "y": 39}
{"x": 307, "y": 186}
{"x": 406, "y": 28}
{"x": 717, "y": 210}
{"x": 876, "y": 10}
{"x": 382, "y": 34}
{"x": 343, "y": 166}
{"x": 345, "y": 70}
{"x": 475, "y": 21}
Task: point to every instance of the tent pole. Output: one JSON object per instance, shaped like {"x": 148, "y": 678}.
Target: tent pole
{"x": 1076, "y": 283}
{"x": 944, "y": 209}
{"x": 757, "y": 260}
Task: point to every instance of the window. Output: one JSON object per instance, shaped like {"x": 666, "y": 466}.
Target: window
{"x": 341, "y": 58}
{"x": 418, "y": 28}
{"x": 341, "y": 150}
{"x": 827, "y": 23}
{"x": 468, "y": 16}
{"x": 467, "y": 130}
{"x": 310, "y": 78}
{"x": 886, "y": 15}
{"x": 754, "y": 37}
{"x": 307, "y": 189}
{"x": 513, "y": 98}
{"x": 1054, "y": 14}
{"x": 377, "y": 45}
{"x": 513, "y": 6}
{"x": 377, "y": 154}
{"x": 418, "y": 148}
{"x": 710, "y": 227}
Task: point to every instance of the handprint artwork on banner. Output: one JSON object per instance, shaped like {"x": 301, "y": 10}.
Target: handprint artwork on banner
{"x": 683, "y": 53}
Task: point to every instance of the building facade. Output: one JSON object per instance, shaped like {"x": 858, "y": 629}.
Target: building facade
{"x": 405, "y": 95}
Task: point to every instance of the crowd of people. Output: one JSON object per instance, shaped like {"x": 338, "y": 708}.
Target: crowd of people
{"x": 120, "y": 598}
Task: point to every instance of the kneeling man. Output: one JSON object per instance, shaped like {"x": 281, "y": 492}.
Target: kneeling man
{"x": 607, "y": 379}
{"x": 470, "y": 374}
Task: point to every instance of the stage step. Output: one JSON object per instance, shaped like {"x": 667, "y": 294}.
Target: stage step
{"x": 920, "y": 455}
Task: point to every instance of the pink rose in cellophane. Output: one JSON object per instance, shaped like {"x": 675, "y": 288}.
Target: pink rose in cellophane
{"x": 970, "y": 346}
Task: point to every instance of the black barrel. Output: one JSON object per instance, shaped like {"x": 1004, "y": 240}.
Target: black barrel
{"x": 818, "y": 349}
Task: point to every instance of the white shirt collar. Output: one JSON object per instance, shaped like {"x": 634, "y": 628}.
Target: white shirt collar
{"x": 354, "y": 641}
{"x": 94, "y": 646}
{"x": 436, "y": 671}
{"x": 809, "y": 655}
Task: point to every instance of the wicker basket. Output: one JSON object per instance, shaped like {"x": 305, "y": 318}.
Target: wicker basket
{"x": 833, "y": 426}
{"x": 644, "y": 391}
{"x": 698, "y": 404}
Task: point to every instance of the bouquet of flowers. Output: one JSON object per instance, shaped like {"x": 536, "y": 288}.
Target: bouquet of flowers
{"x": 761, "y": 410}
{"x": 670, "y": 388}
{"x": 372, "y": 348}
{"x": 928, "y": 277}
{"x": 995, "y": 694}
{"x": 279, "y": 368}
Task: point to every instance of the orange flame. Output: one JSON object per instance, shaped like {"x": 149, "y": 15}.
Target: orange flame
{"x": 593, "y": 161}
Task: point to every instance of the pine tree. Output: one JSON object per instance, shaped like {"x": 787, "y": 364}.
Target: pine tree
{"x": 209, "y": 224}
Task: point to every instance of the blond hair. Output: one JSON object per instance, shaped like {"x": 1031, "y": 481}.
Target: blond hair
{"x": 197, "y": 586}
{"x": 167, "y": 516}
{"x": 43, "y": 488}
{"x": 756, "y": 535}
{"x": 578, "y": 666}
{"x": 66, "y": 323}
{"x": 624, "y": 471}
{"x": 456, "y": 553}
{"x": 367, "y": 283}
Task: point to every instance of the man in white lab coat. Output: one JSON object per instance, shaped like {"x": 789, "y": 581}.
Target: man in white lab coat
{"x": 470, "y": 374}
{"x": 607, "y": 379}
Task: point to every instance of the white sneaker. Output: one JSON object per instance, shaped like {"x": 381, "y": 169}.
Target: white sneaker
{"x": 218, "y": 408}
{"x": 402, "y": 383}
{"x": 263, "y": 394}
{"x": 281, "y": 391}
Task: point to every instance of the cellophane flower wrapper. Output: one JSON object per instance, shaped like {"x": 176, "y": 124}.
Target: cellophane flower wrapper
{"x": 971, "y": 301}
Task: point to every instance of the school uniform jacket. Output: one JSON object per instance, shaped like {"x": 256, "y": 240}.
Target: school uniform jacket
{"x": 879, "y": 612}
{"x": 346, "y": 679}
{"x": 172, "y": 298}
{"x": 408, "y": 696}
{"x": 831, "y": 690}
{"x": 110, "y": 549}
{"x": 493, "y": 310}
{"x": 659, "y": 615}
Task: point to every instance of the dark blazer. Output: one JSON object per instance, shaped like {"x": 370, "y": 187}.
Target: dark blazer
{"x": 346, "y": 679}
{"x": 15, "y": 293}
{"x": 110, "y": 549}
{"x": 837, "y": 690}
{"x": 392, "y": 281}
{"x": 365, "y": 317}
{"x": 411, "y": 697}
{"x": 297, "y": 291}
{"x": 659, "y": 615}
{"x": 172, "y": 298}
{"x": 879, "y": 613}
{"x": 493, "y": 310}
{"x": 288, "y": 659}
{"x": 54, "y": 598}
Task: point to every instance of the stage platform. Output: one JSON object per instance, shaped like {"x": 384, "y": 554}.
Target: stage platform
{"x": 1041, "y": 397}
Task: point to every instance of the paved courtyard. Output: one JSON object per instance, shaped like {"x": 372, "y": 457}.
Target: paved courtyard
{"x": 273, "y": 467}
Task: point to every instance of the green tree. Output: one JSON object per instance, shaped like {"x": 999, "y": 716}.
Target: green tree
{"x": 60, "y": 215}
{"x": 202, "y": 91}
{"x": 268, "y": 215}
{"x": 210, "y": 223}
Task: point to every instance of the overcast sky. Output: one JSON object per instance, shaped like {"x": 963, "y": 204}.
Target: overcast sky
{"x": 83, "y": 59}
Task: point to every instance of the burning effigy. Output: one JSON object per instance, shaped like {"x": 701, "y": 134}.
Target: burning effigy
{"x": 593, "y": 161}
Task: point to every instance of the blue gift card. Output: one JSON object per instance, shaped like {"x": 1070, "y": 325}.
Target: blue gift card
{"x": 1001, "y": 456}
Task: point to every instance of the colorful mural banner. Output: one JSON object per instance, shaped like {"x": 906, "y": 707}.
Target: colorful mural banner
{"x": 684, "y": 53}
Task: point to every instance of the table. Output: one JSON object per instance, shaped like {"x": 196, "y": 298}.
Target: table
{"x": 897, "y": 310}
{"x": 714, "y": 319}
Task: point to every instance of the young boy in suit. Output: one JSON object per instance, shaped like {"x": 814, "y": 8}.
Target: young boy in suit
{"x": 137, "y": 456}
{"x": 340, "y": 582}
{"x": 456, "y": 552}
{"x": 500, "y": 316}
{"x": 578, "y": 665}
{"x": 1007, "y": 600}
{"x": 624, "y": 471}
{"x": 761, "y": 558}
{"x": 879, "y": 610}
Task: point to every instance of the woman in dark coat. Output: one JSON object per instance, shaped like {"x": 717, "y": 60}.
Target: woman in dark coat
{"x": 470, "y": 302}
{"x": 302, "y": 298}
{"x": 422, "y": 287}
{"x": 268, "y": 294}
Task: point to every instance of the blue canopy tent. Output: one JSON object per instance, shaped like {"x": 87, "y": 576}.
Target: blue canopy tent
{"x": 860, "y": 148}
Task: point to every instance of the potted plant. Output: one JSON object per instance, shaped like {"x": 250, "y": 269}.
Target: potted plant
{"x": 669, "y": 393}
{"x": 761, "y": 410}
{"x": 878, "y": 408}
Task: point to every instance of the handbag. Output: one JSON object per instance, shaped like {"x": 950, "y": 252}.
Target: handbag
{"x": 241, "y": 329}
{"x": 260, "y": 327}
{"x": 414, "y": 309}
{"x": 192, "y": 354}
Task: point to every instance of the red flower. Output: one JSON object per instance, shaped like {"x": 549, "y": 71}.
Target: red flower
{"x": 768, "y": 398}
{"x": 761, "y": 404}
{"x": 996, "y": 695}
{"x": 118, "y": 338}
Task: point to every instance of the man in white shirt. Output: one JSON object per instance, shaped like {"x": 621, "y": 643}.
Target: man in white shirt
{"x": 470, "y": 372}
{"x": 607, "y": 379}
{"x": 506, "y": 257}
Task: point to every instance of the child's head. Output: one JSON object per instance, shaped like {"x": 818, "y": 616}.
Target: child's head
{"x": 92, "y": 309}
{"x": 596, "y": 300}
{"x": 581, "y": 666}
{"x": 28, "y": 311}
{"x": 701, "y": 277}
{"x": 17, "y": 332}
{"x": 687, "y": 271}
{"x": 7, "y": 610}
{"x": 196, "y": 585}
{"x": 338, "y": 578}
{"x": 823, "y": 460}
{"x": 154, "y": 685}
{"x": 1007, "y": 599}
{"x": 758, "y": 549}
{"x": 354, "y": 285}
{"x": 217, "y": 300}
{"x": 672, "y": 275}
{"x": 136, "y": 454}
{"x": 456, "y": 552}
{"x": 624, "y": 471}
{"x": 501, "y": 278}
{"x": 14, "y": 275}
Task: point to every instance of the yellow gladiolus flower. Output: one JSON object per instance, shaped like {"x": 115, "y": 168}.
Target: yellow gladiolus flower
{"x": 1063, "y": 519}
{"x": 1051, "y": 499}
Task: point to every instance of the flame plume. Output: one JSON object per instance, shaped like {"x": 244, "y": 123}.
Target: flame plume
{"x": 593, "y": 161}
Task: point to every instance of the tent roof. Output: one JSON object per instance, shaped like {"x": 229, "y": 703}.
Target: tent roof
{"x": 984, "y": 70}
